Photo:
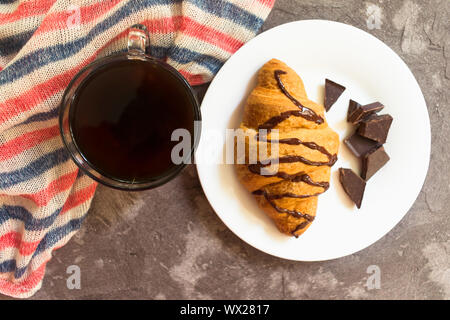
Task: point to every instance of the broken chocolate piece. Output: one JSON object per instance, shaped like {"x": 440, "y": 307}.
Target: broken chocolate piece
{"x": 333, "y": 91}
{"x": 360, "y": 146}
{"x": 353, "y": 185}
{"x": 372, "y": 162}
{"x": 376, "y": 127}
{"x": 352, "y": 106}
{"x": 362, "y": 112}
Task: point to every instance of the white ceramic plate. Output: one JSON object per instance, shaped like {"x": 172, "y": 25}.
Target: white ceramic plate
{"x": 371, "y": 71}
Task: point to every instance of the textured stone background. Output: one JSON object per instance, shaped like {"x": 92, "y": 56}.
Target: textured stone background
{"x": 168, "y": 243}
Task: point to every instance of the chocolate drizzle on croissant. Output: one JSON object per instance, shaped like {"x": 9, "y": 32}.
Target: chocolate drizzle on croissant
{"x": 301, "y": 177}
{"x": 332, "y": 158}
{"x": 304, "y": 111}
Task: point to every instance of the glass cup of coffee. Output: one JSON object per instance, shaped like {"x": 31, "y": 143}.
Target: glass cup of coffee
{"x": 118, "y": 115}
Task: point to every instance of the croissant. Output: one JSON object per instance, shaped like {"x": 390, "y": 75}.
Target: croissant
{"x": 307, "y": 148}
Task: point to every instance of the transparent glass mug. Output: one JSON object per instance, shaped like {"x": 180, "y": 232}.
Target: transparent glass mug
{"x": 138, "y": 42}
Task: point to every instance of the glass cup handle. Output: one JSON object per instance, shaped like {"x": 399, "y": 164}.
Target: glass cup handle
{"x": 138, "y": 39}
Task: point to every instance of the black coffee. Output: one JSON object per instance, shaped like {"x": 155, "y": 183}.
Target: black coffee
{"x": 124, "y": 115}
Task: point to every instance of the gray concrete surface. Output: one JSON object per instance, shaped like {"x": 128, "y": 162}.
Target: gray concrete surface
{"x": 169, "y": 244}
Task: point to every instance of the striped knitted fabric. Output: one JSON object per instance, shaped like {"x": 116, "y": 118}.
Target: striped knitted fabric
{"x": 43, "y": 44}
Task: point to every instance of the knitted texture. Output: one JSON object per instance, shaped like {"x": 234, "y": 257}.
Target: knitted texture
{"x": 43, "y": 44}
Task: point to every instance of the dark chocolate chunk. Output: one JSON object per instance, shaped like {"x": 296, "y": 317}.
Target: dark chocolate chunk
{"x": 353, "y": 185}
{"x": 352, "y": 106}
{"x": 376, "y": 127}
{"x": 362, "y": 112}
{"x": 360, "y": 146}
{"x": 333, "y": 91}
{"x": 373, "y": 161}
